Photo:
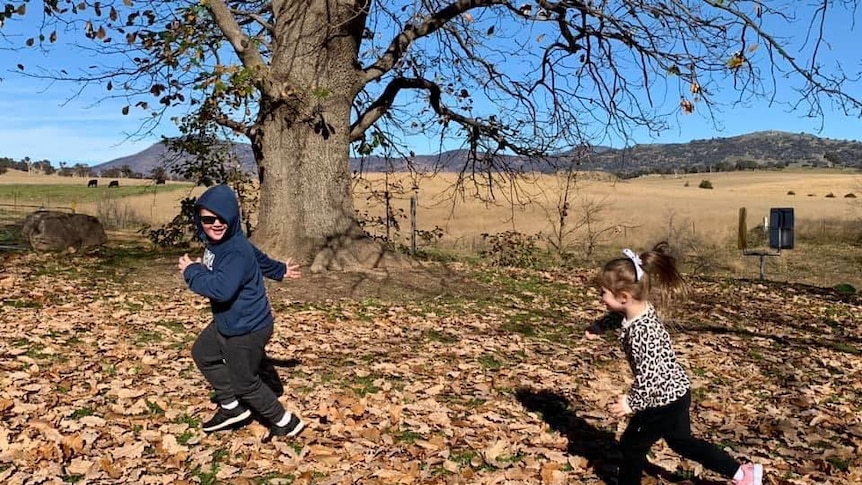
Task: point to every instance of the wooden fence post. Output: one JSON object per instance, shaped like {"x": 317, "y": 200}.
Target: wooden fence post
{"x": 413, "y": 201}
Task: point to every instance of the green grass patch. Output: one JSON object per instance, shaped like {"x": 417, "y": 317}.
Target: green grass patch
{"x": 145, "y": 337}
{"x": 369, "y": 308}
{"x": 65, "y": 195}
{"x": 407, "y": 436}
{"x": 175, "y": 326}
{"x": 521, "y": 323}
{"x": 186, "y": 419}
{"x": 185, "y": 437}
{"x": 81, "y": 412}
{"x": 525, "y": 285}
{"x": 269, "y": 478}
{"x": 155, "y": 408}
{"x": 21, "y": 303}
{"x": 846, "y": 348}
{"x": 363, "y": 386}
{"x": 755, "y": 355}
{"x": 489, "y": 361}
{"x": 437, "y": 336}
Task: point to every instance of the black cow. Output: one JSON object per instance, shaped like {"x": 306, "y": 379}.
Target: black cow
{"x": 113, "y": 183}
{"x": 93, "y": 183}
{"x": 160, "y": 181}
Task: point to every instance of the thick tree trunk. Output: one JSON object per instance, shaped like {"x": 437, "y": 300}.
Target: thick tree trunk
{"x": 306, "y": 202}
{"x": 301, "y": 140}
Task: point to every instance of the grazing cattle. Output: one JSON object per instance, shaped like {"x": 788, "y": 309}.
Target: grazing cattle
{"x": 93, "y": 183}
{"x": 160, "y": 181}
{"x": 113, "y": 183}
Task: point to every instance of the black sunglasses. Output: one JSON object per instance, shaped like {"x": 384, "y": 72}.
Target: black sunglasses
{"x": 210, "y": 220}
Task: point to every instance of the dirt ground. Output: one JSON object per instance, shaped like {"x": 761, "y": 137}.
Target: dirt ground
{"x": 416, "y": 283}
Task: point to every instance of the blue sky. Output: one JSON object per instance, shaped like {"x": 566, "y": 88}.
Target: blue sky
{"x": 56, "y": 122}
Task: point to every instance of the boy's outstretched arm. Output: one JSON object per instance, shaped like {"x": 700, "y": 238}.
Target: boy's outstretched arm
{"x": 275, "y": 270}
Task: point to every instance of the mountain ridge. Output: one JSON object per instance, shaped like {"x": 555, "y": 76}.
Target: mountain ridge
{"x": 761, "y": 149}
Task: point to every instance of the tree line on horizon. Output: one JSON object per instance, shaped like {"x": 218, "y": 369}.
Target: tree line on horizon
{"x": 83, "y": 170}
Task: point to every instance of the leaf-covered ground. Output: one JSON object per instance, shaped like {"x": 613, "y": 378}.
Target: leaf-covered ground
{"x": 452, "y": 375}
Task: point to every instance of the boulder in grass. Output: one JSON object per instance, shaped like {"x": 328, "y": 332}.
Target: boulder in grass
{"x": 53, "y": 230}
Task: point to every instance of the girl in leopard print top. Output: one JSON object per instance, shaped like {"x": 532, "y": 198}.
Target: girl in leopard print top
{"x": 660, "y": 396}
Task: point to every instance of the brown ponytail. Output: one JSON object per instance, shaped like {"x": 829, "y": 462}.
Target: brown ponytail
{"x": 620, "y": 275}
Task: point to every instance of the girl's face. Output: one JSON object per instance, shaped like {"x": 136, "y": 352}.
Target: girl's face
{"x": 216, "y": 228}
{"x": 612, "y": 302}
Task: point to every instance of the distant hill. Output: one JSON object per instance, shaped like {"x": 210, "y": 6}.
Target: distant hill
{"x": 759, "y": 149}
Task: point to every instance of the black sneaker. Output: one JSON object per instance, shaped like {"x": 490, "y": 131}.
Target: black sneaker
{"x": 291, "y": 429}
{"x": 225, "y": 418}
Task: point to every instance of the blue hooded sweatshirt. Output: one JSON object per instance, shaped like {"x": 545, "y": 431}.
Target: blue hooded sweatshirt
{"x": 232, "y": 270}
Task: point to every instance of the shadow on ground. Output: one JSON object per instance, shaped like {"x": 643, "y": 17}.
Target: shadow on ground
{"x": 598, "y": 446}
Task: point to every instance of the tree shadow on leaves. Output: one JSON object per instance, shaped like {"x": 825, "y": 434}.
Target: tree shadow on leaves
{"x": 599, "y": 447}
{"x": 269, "y": 375}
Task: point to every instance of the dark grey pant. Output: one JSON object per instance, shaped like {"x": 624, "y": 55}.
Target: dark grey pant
{"x": 232, "y": 367}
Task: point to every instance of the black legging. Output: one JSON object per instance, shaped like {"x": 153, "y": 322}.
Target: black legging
{"x": 671, "y": 422}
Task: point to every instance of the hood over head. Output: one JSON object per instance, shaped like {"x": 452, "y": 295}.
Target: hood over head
{"x": 221, "y": 201}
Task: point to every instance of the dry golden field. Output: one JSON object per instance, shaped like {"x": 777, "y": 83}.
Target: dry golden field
{"x": 644, "y": 208}
{"x": 633, "y": 213}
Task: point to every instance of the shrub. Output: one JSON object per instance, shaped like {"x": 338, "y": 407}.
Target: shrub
{"x": 790, "y": 192}
{"x": 512, "y": 248}
{"x": 705, "y": 184}
{"x": 851, "y": 195}
{"x": 845, "y": 289}
{"x": 830, "y": 195}
{"x": 179, "y": 231}
{"x": 686, "y": 184}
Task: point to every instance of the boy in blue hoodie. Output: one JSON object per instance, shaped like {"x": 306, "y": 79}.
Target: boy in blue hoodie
{"x": 230, "y": 351}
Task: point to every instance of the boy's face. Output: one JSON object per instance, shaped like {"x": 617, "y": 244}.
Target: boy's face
{"x": 216, "y": 229}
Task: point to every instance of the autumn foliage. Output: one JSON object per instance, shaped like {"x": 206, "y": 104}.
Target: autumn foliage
{"x": 440, "y": 375}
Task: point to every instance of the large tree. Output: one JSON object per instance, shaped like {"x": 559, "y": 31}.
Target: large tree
{"x": 304, "y": 80}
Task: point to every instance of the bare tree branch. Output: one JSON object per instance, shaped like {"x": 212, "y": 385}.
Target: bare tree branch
{"x": 434, "y": 21}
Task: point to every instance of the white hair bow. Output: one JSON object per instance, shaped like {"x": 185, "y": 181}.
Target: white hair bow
{"x": 636, "y": 260}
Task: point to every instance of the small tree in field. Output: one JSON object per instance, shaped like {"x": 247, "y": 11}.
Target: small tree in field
{"x": 576, "y": 218}
{"x": 304, "y": 81}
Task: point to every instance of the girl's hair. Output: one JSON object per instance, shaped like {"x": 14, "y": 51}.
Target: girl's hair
{"x": 619, "y": 275}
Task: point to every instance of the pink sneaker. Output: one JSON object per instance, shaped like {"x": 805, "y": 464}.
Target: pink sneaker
{"x": 751, "y": 475}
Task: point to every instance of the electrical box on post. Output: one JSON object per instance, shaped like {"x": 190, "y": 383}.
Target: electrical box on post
{"x": 781, "y": 228}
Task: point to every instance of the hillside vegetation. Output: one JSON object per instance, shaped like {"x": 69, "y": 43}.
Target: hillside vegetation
{"x": 764, "y": 149}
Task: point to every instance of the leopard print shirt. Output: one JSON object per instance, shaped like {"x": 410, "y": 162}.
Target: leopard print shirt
{"x": 658, "y": 378}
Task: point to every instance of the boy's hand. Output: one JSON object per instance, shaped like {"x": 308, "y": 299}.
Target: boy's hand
{"x": 292, "y": 269}
{"x": 185, "y": 261}
{"x": 621, "y": 407}
{"x": 590, "y": 335}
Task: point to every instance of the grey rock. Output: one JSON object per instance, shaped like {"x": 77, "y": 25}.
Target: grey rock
{"x": 54, "y": 230}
